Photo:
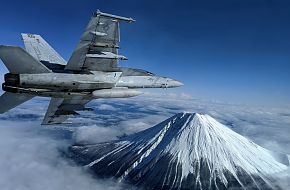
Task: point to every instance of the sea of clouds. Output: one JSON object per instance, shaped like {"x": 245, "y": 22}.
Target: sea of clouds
{"x": 31, "y": 155}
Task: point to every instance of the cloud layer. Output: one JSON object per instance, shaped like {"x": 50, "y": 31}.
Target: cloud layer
{"x": 31, "y": 156}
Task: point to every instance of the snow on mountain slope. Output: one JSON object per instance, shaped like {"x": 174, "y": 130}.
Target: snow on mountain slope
{"x": 186, "y": 151}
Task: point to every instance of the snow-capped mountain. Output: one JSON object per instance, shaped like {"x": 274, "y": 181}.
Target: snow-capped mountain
{"x": 186, "y": 151}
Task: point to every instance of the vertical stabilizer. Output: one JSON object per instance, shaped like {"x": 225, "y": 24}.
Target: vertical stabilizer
{"x": 36, "y": 46}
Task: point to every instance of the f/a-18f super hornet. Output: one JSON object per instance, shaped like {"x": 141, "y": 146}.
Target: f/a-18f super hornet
{"x": 92, "y": 71}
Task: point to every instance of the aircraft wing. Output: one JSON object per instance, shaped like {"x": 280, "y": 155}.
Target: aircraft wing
{"x": 60, "y": 109}
{"x": 98, "y": 46}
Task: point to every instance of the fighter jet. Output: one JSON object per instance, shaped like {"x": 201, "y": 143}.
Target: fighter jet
{"x": 92, "y": 72}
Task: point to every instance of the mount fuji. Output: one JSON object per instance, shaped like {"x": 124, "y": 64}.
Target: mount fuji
{"x": 186, "y": 151}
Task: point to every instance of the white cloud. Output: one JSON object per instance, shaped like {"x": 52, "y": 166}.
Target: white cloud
{"x": 168, "y": 95}
{"x": 185, "y": 96}
{"x": 30, "y": 160}
{"x": 106, "y": 107}
{"x": 95, "y": 134}
{"x": 136, "y": 125}
{"x": 30, "y": 154}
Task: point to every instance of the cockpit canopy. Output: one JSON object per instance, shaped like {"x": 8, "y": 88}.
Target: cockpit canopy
{"x": 135, "y": 72}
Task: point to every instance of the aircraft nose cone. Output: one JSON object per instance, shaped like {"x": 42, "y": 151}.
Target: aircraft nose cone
{"x": 175, "y": 83}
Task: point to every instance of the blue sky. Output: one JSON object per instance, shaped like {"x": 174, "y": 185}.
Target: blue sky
{"x": 227, "y": 50}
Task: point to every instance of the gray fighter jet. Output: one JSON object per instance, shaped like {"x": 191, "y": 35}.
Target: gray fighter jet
{"x": 92, "y": 71}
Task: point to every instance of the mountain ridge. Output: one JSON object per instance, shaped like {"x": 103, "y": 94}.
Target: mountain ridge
{"x": 186, "y": 151}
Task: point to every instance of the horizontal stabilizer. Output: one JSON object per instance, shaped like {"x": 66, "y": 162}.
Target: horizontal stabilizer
{"x": 10, "y": 100}
{"x": 18, "y": 61}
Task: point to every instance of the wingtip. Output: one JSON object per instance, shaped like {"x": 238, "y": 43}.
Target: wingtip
{"x": 28, "y": 34}
{"x": 99, "y": 13}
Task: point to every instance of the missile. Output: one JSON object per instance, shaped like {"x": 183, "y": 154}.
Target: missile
{"x": 113, "y": 16}
{"x": 116, "y": 93}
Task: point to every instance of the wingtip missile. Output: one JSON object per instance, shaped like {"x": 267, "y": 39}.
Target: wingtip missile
{"x": 99, "y": 13}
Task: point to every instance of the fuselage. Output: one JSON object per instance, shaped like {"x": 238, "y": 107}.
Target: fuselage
{"x": 96, "y": 84}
